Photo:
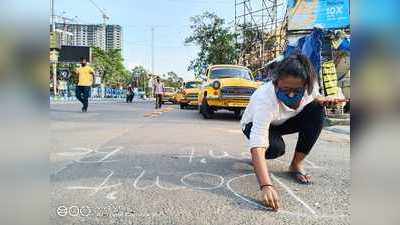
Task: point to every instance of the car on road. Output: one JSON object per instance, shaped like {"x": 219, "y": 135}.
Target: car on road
{"x": 169, "y": 95}
{"x": 226, "y": 87}
{"x": 178, "y": 96}
{"x": 190, "y": 93}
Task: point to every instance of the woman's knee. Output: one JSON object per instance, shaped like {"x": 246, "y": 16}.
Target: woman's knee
{"x": 275, "y": 150}
{"x": 315, "y": 113}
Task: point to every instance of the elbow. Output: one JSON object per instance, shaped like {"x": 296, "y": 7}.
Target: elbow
{"x": 257, "y": 154}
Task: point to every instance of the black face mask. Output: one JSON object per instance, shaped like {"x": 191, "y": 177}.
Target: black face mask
{"x": 83, "y": 64}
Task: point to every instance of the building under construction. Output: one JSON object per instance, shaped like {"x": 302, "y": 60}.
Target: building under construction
{"x": 261, "y": 25}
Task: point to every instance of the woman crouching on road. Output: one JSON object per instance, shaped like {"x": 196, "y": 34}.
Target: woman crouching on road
{"x": 291, "y": 103}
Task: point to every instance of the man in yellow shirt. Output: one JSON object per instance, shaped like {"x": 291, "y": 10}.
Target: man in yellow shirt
{"x": 85, "y": 76}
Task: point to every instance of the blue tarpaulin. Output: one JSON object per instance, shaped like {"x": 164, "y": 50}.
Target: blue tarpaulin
{"x": 310, "y": 46}
{"x": 345, "y": 45}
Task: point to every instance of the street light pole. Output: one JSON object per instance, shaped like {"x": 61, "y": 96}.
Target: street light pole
{"x": 152, "y": 50}
{"x": 152, "y": 54}
{"x": 54, "y": 64}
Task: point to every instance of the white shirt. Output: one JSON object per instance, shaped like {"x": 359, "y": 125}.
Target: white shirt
{"x": 264, "y": 109}
{"x": 158, "y": 88}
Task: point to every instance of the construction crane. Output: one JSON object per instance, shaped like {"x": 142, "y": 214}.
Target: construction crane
{"x": 103, "y": 13}
{"x": 65, "y": 19}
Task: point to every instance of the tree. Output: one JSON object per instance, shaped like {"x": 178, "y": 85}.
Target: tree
{"x": 250, "y": 37}
{"x": 172, "y": 80}
{"x": 141, "y": 77}
{"x": 217, "y": 44}
{"x": 110, "y": 65}
{"x": 252, "y": 40}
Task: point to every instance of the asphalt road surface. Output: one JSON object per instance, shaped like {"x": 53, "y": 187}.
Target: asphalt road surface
{"x": 129, "y": 164}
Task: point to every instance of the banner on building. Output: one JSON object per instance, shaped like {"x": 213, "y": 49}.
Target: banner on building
{"x": 306, "y": 14}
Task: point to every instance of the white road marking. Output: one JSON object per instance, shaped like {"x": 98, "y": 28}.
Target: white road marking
{"x": 290, "y": 192}
{"x": 98, "y": 146}
{"x": 102, "y": 160}
{"x": 156, "y": 183}
{"x": 78, "y": 151}
{"x": 94, "y": 190}
{"x": 111, "y": 195}
{"x": 280, "y": 211}
{"x": 135, "y": 183}
{"x": 191, "y": 156}
{"x": 168, "y": 189}
{"x": 224, "y": 155}
{"x": 201, "y": 173}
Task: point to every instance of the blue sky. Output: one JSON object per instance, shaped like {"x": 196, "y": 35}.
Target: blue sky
{"x": 169, "y": 17}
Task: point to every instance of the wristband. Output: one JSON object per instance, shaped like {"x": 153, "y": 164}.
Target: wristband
{"x": 266, "y": 185}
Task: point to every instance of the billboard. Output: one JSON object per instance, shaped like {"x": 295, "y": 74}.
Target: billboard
{"x": 306, "y": 14}
{"x": 73, "y": 54}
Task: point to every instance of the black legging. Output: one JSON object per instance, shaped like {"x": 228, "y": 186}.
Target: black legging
{"x": 308, "y": 123}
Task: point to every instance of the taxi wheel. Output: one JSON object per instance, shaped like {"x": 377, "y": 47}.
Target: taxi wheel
{"x": 238, "y": 113}
{"x": 205, "y": 110}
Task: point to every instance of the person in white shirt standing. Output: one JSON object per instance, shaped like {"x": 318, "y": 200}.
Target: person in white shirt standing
{"x": 158, "y": 90}
{"x": 290, "y": 103}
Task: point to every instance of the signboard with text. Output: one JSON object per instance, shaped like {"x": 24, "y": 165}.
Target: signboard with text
{"x": 328, "y": 14}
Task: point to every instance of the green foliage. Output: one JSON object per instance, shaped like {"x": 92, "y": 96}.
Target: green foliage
{"x": 217, "y": 44}
{"x": 171, "y": 79}
{"x": 110, "y": 65}
{"x": 141, "y": 76}
{"x": 249, "y": 36}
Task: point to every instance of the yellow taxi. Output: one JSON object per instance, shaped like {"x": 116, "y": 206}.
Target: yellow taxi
{"x": 169, "y": 95}
{"x": 226, "y": 87}
{"x": 189, "y": 92}
{"x": 178, "y": 97}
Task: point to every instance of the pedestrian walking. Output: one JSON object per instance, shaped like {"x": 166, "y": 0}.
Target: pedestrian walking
{"x": 290, "y": 103}
{"x": 85, "y": 81}
{"x": 158, "y": 90}
{"x": 129, "y": 94}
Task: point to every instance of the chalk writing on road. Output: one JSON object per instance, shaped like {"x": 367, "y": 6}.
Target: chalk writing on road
{"x": 98, "y": 188}
{"x": 84, "y": 153}
{"x": 190, "y": 181}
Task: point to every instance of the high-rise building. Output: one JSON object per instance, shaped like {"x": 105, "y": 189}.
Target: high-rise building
{"x": 98, "y": 35}
{"x": 64, "y": 37}
{"x": 113, "y": 37}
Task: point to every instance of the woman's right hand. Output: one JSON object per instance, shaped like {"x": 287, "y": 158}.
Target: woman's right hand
{"x": 271, "y": 197}
{"x": 326, "y": 101}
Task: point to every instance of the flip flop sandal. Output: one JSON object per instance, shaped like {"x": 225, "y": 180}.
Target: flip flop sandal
{"x": 296, "y": 175}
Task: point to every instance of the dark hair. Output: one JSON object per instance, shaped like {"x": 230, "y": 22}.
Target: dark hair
{"x": 298, "y": 66}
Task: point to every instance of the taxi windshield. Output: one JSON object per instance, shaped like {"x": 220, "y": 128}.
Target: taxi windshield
{"x": 192, "y": 84}
{"x": 219, "y": 73}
